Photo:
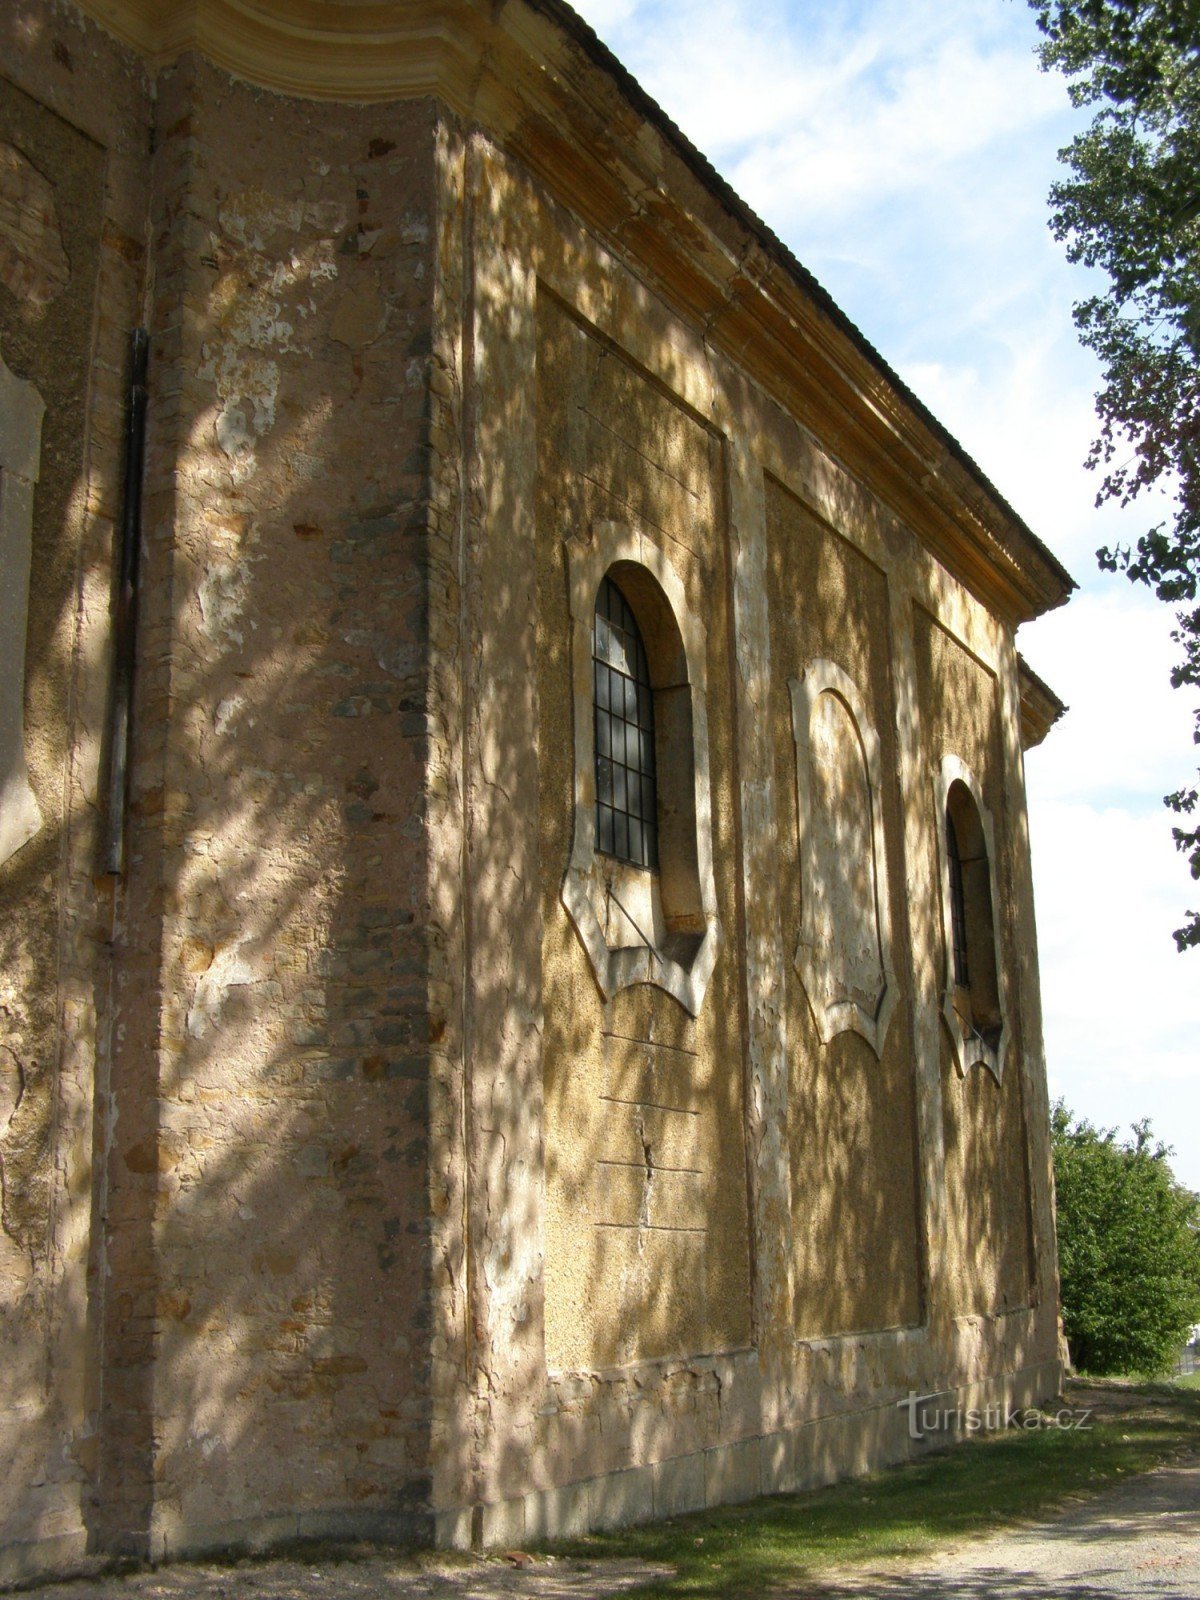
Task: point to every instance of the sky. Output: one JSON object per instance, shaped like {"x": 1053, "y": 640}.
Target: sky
{"x": 903, "y": 149}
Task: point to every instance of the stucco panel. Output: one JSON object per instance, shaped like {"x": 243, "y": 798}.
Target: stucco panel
{"x": 987, "y": 1243}
{"x": 646, "y": 1237}
{"x": 853, "y": 1136}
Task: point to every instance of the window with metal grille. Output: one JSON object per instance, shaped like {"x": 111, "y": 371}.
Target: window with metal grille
{"x": 958, "y": 905}
{"x": 626, "y": 790}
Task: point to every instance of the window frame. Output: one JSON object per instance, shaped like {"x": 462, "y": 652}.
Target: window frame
{"x": 685, "y": 831}
{"x": 960, "y": 964}
{"x": 626, "y": 789}
{"x": 971, "y": 1046}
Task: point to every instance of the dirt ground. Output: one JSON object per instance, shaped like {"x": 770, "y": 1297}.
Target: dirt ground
{"x": 1137, "y": 1541}
{"x": 368, "y": 1575}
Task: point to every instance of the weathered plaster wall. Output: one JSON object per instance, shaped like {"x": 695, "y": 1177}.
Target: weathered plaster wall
{"x": 46, "y": 336}
{"x": 987, "y": 1240}
{"x": 73, "y": 130}
{"x": 647, "y": 1251}
{"x": 266, "y": 1336}
{"x": 852, "y": 1113}
{"x": 573, "y": 395}
{"x": 565, "y": 1391}
{"x": 342, "y": 1252}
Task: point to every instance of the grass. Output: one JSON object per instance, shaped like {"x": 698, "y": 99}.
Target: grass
{"x": 1191, "y": 1381}
{"x": 907, "y": 1511}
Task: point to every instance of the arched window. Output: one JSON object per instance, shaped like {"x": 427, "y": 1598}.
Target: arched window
{"x": 639, "y": 886}
{"x": 958, "y": 906}
{"x": 973, "y": 1005}
{"x": 626, "y": 786}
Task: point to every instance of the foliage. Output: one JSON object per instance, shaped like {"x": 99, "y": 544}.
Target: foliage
{"x": 1132, "y": 208}
{"x": 1128, "y": 1248}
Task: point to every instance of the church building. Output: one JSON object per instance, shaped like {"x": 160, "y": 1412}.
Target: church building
{"x": 519, "y": 994}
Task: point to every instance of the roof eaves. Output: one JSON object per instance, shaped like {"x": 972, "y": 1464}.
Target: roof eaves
{"x": 569, "y": 20}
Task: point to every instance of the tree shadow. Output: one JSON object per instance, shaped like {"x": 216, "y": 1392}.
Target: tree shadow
{"x": 262, "y": 1266}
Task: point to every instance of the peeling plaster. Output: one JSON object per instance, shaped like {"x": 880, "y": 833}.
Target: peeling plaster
{"x": 221, "y": 595}
{"x": 229, "y": 969}
{"x": 33, "y": 263}
{"x": 252, "y": 326}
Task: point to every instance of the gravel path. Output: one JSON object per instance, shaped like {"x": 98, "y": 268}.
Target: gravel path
{"x": 1137, "y": 1541}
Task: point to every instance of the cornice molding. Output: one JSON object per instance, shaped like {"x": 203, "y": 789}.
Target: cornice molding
{"x": 532, "y": 76}
{"x": 339, "y": 50}
{"x": 1040, "y": 706}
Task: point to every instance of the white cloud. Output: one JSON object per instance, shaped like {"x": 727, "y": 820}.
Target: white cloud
{"x": 608, "y": 16}
{"x": 1025, "y": 427}
{"x": 1122, "y": 1007}
{"x": 884, "y": 139}
{"x": 1109, "y": 655}
{"x": 811, "y": 117}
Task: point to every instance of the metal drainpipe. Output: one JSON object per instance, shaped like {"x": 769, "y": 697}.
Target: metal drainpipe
{"x": 125, "y": 611}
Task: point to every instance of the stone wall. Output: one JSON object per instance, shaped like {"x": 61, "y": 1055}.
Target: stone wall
{"x": 266, "y": 1340}
{"x": 852, "y": 1111}
{"x": 646, "y": 1224}
{"x": 74, "y": 118}
{"x": 988, "y": 1242}
{"x": 242, "y": 1028}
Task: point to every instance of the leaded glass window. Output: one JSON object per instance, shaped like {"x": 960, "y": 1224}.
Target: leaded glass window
{"x": 958, "y": 905}
{"x": 626, "y": 797}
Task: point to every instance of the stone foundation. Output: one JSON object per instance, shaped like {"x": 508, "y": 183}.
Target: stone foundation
{"x": 786, "y": 1462}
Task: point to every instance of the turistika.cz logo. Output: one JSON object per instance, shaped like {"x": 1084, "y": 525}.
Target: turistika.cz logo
{"x": 929, "y": 1413}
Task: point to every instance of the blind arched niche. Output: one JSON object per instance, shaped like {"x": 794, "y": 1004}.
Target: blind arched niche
{"x": 974, "y": 1009}
{"x": 641, "y": 925}
{"x": 844, "y": 953}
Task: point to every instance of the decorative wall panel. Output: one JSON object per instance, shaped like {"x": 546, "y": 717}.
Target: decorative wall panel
{"x": 844, "y": 956}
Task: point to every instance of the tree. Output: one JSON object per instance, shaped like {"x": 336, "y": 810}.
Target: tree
{"x": 1128, "y": 1248}
{"x": 1132, "y": 208}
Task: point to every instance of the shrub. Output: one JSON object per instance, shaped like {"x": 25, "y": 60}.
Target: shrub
{"x": 1128, "y": 1248}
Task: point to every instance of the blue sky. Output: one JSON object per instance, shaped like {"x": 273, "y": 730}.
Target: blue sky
{"x": 903, "y": 150}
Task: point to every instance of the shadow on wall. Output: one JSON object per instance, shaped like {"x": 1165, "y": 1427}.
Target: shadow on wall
{"x": 855, "y": 1212}
{"x": 265, "y": 1263}
{"x": 989, "y": 1221}
{"x": 51, "y": 186}
{"x": 647, "y": 1207}
{"x": 988, "y": 1215}
{"x": 291, "y": 941}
